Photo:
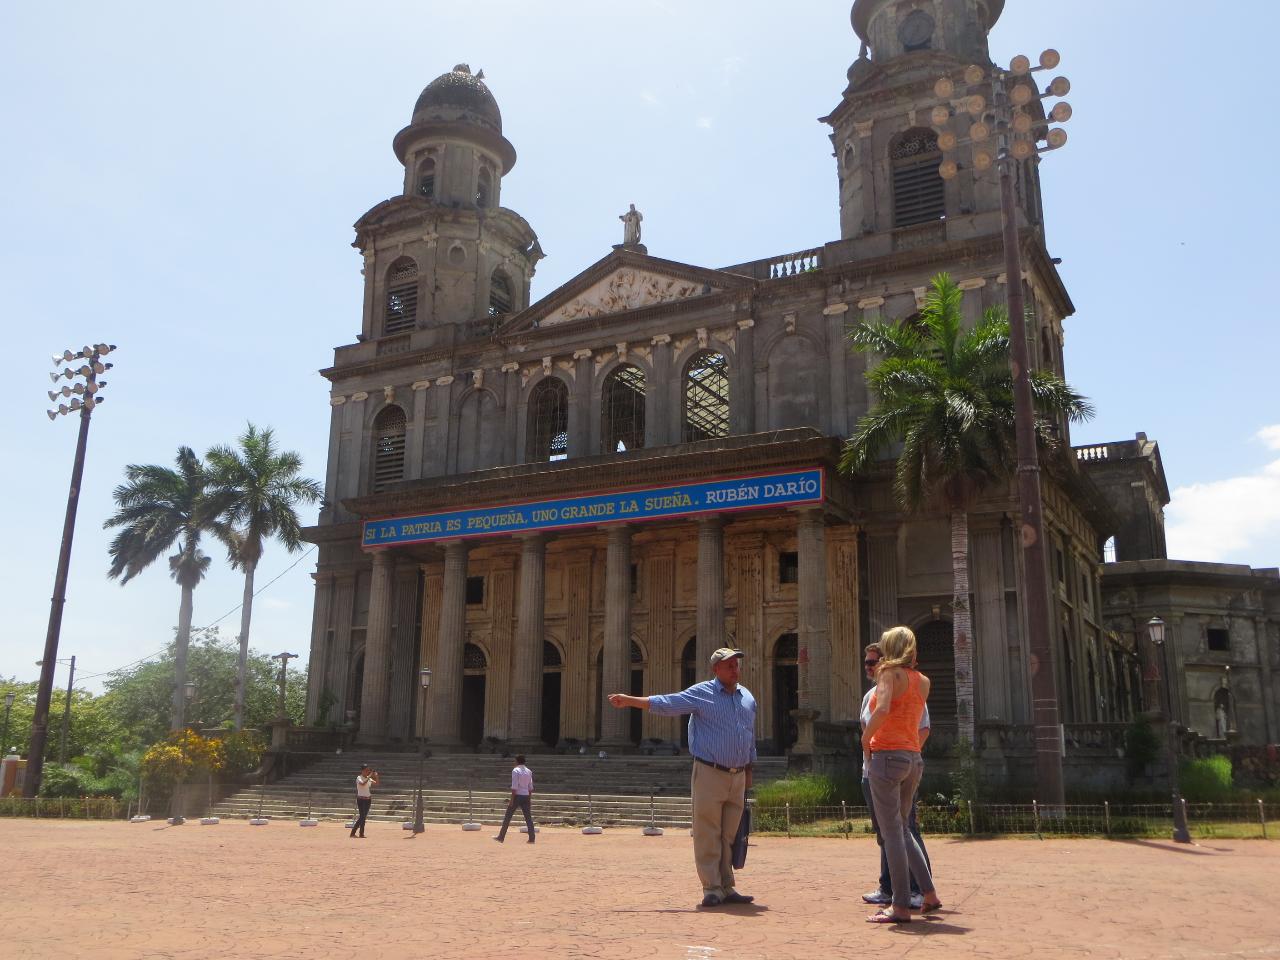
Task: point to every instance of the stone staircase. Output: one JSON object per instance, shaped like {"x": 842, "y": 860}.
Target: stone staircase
{"x": 568, "y": 790}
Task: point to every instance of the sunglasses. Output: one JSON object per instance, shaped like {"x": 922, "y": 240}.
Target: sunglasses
{"x": 869, "y": 663}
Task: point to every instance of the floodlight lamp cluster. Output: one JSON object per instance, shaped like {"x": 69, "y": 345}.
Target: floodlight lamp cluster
{"x": 83, "y": 396}
{"x": 1000, "y": 125}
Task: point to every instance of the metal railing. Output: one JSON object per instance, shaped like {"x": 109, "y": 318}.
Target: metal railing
{"x": 1123, "y": 821}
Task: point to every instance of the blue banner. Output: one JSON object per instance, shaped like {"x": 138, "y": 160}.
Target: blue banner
{"x": 714, "y": 496}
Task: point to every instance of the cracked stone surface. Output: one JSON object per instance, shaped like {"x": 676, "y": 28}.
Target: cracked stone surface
{"x": 121, "y": 891}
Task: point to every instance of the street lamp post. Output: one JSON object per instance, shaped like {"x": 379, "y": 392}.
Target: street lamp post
{"x": 89, "y": 390}
{"x": 66, "y": 708}
{"x": 995, "y": 105}
{"x": 1155, "y": 631}
{"x": 424, "y": 676}
{"x": 284, "y": 659}
{"x": 8, "y": 706}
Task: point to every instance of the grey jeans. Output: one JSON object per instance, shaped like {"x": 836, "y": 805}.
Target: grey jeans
{"x": 894, "y": 776}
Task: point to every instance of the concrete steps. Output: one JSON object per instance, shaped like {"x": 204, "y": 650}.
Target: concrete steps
{"x": 567, "y": 789}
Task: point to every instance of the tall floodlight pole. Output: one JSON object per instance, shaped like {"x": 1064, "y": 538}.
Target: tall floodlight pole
{"x": 1007, "y": 125}
{"x": 424, "y": 679}
{"x": 89, "y": 391}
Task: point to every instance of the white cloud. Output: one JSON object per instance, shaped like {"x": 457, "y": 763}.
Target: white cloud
{"x": 704, "y": 123}
{"x": 649, "y": 97}
{"x": 274, "y": 603}
{"x": 1235, "y": 520}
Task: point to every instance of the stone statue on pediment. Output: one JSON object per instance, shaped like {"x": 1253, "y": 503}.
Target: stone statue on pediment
{"x": 631, "y": 226}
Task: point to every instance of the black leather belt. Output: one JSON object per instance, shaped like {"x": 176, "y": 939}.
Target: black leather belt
{"x": 719, "y": 767}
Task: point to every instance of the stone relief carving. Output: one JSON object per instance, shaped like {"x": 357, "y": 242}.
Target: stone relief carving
{"x": 626, "y": 289}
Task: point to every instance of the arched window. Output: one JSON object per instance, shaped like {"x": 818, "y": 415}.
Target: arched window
{"x": 918, "y": 188}
{"x": 484, "y": 189}
{"x": 551, "y": 659}
{"x": 473, "y": 658}
{"x": 706, "y": 397}
{"x": 500, "y": 295}
{"x": 402, "y": 297}
{"x": 427, "y": 179}
{"x": 388, "y": 448}
{"x": 622, "y": 410}
{"x": 548, "y": 421}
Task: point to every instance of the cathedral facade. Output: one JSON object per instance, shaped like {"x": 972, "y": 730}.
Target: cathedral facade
{"x": 544, "y": 502}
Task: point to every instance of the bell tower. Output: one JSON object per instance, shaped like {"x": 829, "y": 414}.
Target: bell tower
{"x": 885, "y": 144}
{"x": 444, "y": 260}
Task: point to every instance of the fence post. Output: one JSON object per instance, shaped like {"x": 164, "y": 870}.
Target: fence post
{"x": 1106, "y": 817}
{"x": 788, "y": 818}
{"x": 1035, "y": 812}
{"x": 1262, "y": 818}
{"x": 845, "y": 825}
{"x": 973, "y": 829}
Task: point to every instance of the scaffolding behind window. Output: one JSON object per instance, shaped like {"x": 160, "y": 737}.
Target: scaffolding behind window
{"x": 919, "y": 193}
{"x": 549, "y": 421}
{"x": 500, "y": 296}
{"x": 706, "y": 397}
{"x": 622, "y": 416}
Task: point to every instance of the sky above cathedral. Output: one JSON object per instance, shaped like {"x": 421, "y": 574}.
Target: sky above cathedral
{"x": 181, "y": 181}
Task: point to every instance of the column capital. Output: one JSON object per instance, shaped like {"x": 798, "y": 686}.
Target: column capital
{"x": 868, "y": 303}
{"x": 383, "y": 558}
{"x": 835, "y": 309}
{"x": 420, "y": 385}
{"x": 661, "y": 338}
{"x": 361, "y": 395}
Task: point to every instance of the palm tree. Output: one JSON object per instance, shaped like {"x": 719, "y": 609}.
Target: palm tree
{"x": 158, "y": 508}
{"x": 258, "y": 487}
{"x": 945, "y": 394}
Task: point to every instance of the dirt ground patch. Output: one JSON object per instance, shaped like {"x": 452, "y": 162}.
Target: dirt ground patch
{"x": 117, "y": 891}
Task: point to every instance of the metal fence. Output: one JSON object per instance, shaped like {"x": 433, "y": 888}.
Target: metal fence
{"x": 1204, "y": 820}
{"x": 58, "y": 808}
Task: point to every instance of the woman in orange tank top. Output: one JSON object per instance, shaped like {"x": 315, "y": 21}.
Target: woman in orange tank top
{"x": 891, "y": 750}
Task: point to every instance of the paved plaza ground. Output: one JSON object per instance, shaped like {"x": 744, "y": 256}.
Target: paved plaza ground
{"x": 114, "y": 891}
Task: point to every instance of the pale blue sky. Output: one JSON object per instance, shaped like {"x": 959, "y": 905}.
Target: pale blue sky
{"x": 181, "y": 180}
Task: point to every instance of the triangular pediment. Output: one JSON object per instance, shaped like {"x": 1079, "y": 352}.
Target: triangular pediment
{"x": 627, "y": 288}
{"x": 621, "y": 282}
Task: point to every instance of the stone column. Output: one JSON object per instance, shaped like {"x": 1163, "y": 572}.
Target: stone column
{"x": 742, "y": 406}
{"x": 417, "y": 428}
{"x": 404, "y": 654}
{"x": 446, "y": 680}
{"x": 1262, "y": 640}
{"x": 615, "y": 724}
{"x": 320, "y": 639}
{"x": 344, "y": 599}
{"x": 656, "y": 416}
{"x": 836, "y": 315}
{"x": 664, "y": 659}
{"x": 710, "y": 589}
{"x": 990, "y": 654}
{"x": 377, "y": 652}
{"x": 811, "y": 613}
{"x": 526, "y": 660}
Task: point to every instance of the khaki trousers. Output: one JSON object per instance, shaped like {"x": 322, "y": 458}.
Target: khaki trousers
{"x": 718, "y": 799}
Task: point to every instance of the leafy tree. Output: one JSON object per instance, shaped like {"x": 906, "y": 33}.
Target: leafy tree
{"x": 259, "y": 487}
{"x": 945, "y": 394}
{"x": 158, "y": 509}
{"x": 135, "y": 698}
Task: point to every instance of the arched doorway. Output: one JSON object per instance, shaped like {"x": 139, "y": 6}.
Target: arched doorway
{"x": 552, "y": 667}
{"x": 474, "y": 667}
{"x": 935, "y": 649}
{"x": 688, "y": 677}
{"x": 635, "y": 732}
{"x": 786, "y": 690}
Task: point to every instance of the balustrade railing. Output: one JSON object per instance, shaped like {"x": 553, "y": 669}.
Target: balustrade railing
{"x": 774, "y": 268}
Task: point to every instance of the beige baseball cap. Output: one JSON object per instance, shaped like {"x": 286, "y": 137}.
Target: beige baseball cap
{"x": 725, "y": 653}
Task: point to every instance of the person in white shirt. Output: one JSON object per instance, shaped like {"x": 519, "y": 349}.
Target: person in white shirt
{"x": 521, "y": 794}
{"x": 365, "y": 782}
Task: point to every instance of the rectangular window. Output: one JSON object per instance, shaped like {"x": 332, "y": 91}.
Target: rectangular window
{"x": 475, "y": 590}
{"x": 1218, "y": 639}
{"x": 635, "y": 579}
{"x": 788, "y": 567}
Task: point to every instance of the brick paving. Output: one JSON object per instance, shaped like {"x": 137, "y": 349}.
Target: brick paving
{"x": 115, "y": 891}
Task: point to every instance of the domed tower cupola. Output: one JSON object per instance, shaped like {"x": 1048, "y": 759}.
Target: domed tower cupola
{"x": 453, "y": 150}
{"x": 892, "y": 28}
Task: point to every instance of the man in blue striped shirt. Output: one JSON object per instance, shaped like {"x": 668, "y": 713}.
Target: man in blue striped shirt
{"x": 722, "y": 740}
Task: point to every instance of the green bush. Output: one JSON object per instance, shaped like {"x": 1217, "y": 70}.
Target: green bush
{"x": 1206, "y": 780}
{"x": 243, "y": 751}
{"x": 810, "y": 790}
{"x": 1141, "y": 746}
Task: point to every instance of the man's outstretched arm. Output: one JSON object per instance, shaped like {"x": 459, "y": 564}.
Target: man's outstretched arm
{"x": 622, "y": 700}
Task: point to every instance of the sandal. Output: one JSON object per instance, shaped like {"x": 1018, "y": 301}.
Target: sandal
{"x": 931, "y": 908}
{"x": 884, "y": 916}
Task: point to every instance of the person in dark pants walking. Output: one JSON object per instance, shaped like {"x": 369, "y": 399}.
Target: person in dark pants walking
{"x": 521, "y": 796}
{"x": 365, "y": 782}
